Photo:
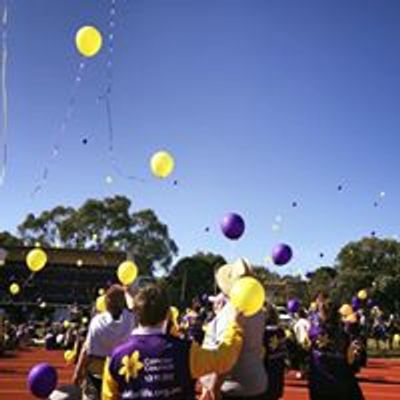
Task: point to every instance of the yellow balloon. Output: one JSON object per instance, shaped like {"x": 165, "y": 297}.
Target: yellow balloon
{"x": 162, "y": 164}
{"x": 101, "y": 304}
{"x": 101, "y": 292}
{"x": 313, "y": 306}
{"x": 69, "y": 356}
{"x": 88, "y": 41}
{"x": 14, "y": 289}
{"x": 85, "y": 320}
{"x": 174, "y": 313}
{"x": 346, "y": 310}
{"x": 36, "y": 260}
{"x": 247, "y": 295}
{"x": 362, "y": 294}
{"x": 127, "y": 272}
{"x": 66, "y": 324}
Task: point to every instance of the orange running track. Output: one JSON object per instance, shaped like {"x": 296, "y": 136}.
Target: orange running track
{"x": 380, "y": 381}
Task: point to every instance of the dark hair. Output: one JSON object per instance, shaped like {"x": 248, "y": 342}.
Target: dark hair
{"x": 151, "y": 305}
{"x": 115, "y": 300}
{"x": 302, "y": 313}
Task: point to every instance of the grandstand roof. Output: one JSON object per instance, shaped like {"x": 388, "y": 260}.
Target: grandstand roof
{"x": 93, "y": 258}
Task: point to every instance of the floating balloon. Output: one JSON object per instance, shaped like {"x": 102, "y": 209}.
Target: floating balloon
{"x": 233, "y": 226}
{"x": 36, "y": 260}
{"x": 162, "y": 164}
{"x": 340, "y": 188}
{"x": 101, "y": 304}
{"x": 282, "y": 254}
{"x": 69, "y": 356}
{"x": 109, "y": 180}
{"x": 345, "y": 310}
{"x": 42, "y": 380}
{"x": 127, "y": 272}
{"x": 362, "y": 294}
{"x": 66, "y": 324}
{"x": 85, "y": 320}
{"x": 88, "y": 41}
{"x": 14, "y": 289}
{"x": 356, "y": 303}
{"x": 294, "y": 204}
{"x": 293, "y": 306}
{"x": 247, "y": 295}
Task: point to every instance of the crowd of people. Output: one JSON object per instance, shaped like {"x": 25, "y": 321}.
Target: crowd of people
{"x": 141, "y": 347}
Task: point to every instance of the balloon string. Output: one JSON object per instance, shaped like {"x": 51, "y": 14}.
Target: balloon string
{"x": 107, "y": 98}
{"x": 4, "y": 94}
{"x": 59, "y": 136}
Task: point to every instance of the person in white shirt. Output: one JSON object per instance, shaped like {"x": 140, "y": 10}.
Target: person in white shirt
{"x": 107, "y": 330}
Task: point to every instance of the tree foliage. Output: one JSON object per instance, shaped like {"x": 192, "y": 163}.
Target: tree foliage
{"x": 193, "y": 276}
{"x": 107, "y": 225}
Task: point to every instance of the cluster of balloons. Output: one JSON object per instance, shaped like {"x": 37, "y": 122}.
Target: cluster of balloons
{"x": 247, "y": 295}
{"x": 36, "y": 260}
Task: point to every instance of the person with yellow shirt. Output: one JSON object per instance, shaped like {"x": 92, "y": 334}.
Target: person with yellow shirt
{"x": 152, "y": 364}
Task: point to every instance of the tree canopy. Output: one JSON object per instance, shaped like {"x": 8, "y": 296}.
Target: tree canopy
{"x": 106, "y": 224}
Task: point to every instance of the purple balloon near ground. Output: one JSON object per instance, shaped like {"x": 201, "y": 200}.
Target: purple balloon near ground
{"x": 293, "y": 306}
{"x": 42, "y": 380}
{"x": 355, "y": 303}
{"x": 232, "y": 226}
{"x": 282, "y": 254}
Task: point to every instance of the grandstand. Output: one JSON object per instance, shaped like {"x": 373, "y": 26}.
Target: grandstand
{"x": 70, "y": 277}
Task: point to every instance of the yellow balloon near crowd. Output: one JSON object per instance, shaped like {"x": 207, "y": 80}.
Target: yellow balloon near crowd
{"x": 162, "y": 164}
{"x": 346, "y": 310}
{"x": 14, "y": 289}
{"x": 101, "y": 304}
{"x": 362, "y": 294}
{"x": 127, "y": 272}
{"x": 248, "y": 296}
{"x": 88, "y": 41}
{"x": 36, "y": 260}
{"x": 66, "y": 324}
{"x": 174, "y": 313}
{"x": 69, "y": 356}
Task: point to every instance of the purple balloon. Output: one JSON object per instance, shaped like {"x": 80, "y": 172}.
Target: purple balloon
{"x": 233, "y": 226}
{"x": 282, "y": 254}
{"x": 371, "y": 303}
{"x": 293, "y": 306}
{"x": 42, "y": 380}
{"x": 355, "y": 303}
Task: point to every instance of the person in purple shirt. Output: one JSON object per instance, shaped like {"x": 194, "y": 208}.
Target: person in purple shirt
{"x": 152, "y": 364}
{"x": 332, "y": 355}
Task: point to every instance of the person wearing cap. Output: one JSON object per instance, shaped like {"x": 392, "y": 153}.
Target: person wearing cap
{"x": 106, "y": 331}
{"x": 153, "y": 364}
{"x": 248, "y": 378}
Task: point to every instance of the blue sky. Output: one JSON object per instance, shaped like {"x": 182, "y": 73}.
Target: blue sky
{"x": 262, "y": 103}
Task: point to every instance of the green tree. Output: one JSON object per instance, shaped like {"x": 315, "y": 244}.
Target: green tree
{"x": 193, "y": 276}
{"x": 373, "y": 264}
{"x": 106, "y": 224}
{"x": 9, "y": 240}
